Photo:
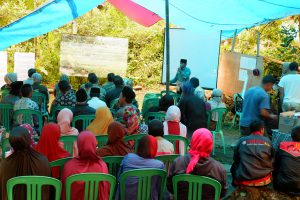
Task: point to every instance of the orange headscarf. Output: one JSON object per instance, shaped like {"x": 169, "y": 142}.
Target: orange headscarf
{"x": 100, "y": 124}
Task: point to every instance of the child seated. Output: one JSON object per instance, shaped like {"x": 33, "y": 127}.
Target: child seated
{"x": 253, "y": 158}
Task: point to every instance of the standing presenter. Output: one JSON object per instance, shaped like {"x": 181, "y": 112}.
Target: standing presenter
{"x": 183, "y": 74}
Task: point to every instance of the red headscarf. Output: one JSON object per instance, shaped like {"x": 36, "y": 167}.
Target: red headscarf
{"x": 48, "y": 145}
{"x": 147, "y": 147}
{"x": 201, "y": 147}
{"x": 86, "y": 161}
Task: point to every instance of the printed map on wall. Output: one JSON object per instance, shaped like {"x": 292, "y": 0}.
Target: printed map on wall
{"x": 80, "y": 55}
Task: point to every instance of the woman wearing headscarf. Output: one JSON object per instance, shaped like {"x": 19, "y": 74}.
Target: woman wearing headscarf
{"x": 23, "y": 162}
{"x": 116, "y": 146}
{"x": 64, "y": 119}
{"x": 86, "y": 162}
{"x": 144, "y": 158}
{"x": 193, "y": 110}
{"x": 9, "y": 78}
{"x": 173, "y": 126}
{"x": 216, "y": 102}
{"x": 49, "y": 146}
{"x": 198, "y": 162}
{"x": 57, "y": 92}
{"x": 101, "y": 122}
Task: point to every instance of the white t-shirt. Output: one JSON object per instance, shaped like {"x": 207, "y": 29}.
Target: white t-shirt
{"x": 291, "y": 85}
{"x": 96, "y": 103}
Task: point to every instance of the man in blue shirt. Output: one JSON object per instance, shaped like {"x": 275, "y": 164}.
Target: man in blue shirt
{"x": 256, "y": 105}
{"x": 183, "y": 74}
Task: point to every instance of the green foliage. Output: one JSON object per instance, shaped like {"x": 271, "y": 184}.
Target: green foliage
{"x": 145, "y": 44}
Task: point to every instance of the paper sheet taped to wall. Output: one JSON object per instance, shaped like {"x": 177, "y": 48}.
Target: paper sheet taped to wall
{"x": 3, "y": 66}
{"x": 243, "y": 75}
{"x": 22, "y": 63}
{"x": 247, "y": 63}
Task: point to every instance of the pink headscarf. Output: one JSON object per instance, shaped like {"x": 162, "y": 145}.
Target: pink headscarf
{"x": 64, "y": 119}
{"x": 201, "y": 147}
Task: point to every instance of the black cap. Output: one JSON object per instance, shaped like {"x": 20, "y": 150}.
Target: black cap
{"x": 183, "y": 61}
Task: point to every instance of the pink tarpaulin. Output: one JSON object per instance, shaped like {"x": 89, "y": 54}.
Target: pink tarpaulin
{"x": 136, "y": 12}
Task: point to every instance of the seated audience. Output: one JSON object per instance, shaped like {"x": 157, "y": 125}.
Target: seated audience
{"x": 128, "y": 114}
{"x": 198, "y": 162}
{"x": 37, "y": 80}
{"x": 9, "y": 78}
{"x": 156, "y": 129}
{"x": 287, "y": 165}
{"x": 109, "y": 85}
{"x": 215, "y": 102}
{"x": 30, "y": 79}
{"x": 67, "y": 97}
{"x": 101, "y": 122}
{"x": 24, "y": 161}
{"x": 82, "y": 108}
{"x": 289, "y": 89}
{"x": 173, "y": 126}
{"x": 144, "y": 158}
{"x": 114, "y": 93}
{"x": 164, "y": 103}
{"x": 93, "y": 79}
{"x": 32, "y": 134}
{"x": 14, "y": 93}
{"x": 199, "y": 92}
{"x": 193, "y": 110}
{"x": 49, "y": 146}
{"x": 64, "y": 119}
{"x": 116, "y": 146}
{"x": 253, "y": 158}
{"x": 87, "y": 161}
{"x": 95, "y": 101}
{"x": 57, "y": 92}
{"x": 26, "y": 103}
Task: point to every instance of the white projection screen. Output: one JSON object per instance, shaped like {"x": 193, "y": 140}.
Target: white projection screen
{"x": 201, "y": 52}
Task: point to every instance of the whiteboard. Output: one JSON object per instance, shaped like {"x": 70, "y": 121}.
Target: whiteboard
{"x": 3, "y": 66}
{"x": 201, "y": 52}
{"x": 22, "y": 63}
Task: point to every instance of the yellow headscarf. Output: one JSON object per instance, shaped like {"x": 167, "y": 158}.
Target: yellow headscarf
{"x": 100, "y": 124}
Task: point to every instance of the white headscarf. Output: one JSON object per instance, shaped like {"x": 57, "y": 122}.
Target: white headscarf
{"x": 10, "y": 78}
{"x": 37, "y": 77}
{"x": 173, "y": 114}
{"x": 217, "y": 95}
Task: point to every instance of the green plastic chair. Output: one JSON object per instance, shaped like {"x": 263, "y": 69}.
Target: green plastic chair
{"x": 135, "y": 138}
{"x": 85, "y": 119}
{"x": 238, "y": 103}
{"x": 40, "y": 99}
{"x": 195, "y": 184}
{"x": 149, "y": 103}
{"x": 113, "y": 164}
{"x": 154, "y": 115}
{"x": 113, "y": 103}
{"x": 168, "y": 160}
{"x": 91, "y": 186}
{"x": 174, "y": 138}
{"x": 151, "y": 96}
{"x": 221, "y": 114}
{"x": 6, "y": 113}
{"x": 175, "y": 96}
{"x": 144, "y": 177}
{"x": 68, "y": 142}
{"x": 28, "y": 117}
{"x": 102, "y": 140}
{"x": 34, "y": 186}
{"x": 60, "y": 163}
{"x": 4, "y": 92}
{"x": 55, "y": 110}
{"x": 5, "y": 145}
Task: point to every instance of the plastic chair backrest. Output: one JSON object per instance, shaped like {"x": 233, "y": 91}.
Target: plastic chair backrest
{"x": 144, "y": 177}
{"x": 85, "y": 119}
{"x": 221, "y": 112}
{"x": 154, "y": 115}
{"x": 4, "y": 92}
{"x": 135, "y": 138}
{"x": 91, "y": 186}
{"x": 5, "y": 145}
{"x": 33, "y": 186}
{"x": 113, "y": 164}
{"x": 113, "y": 103}
{"x": 152, "y": 95}
{"x": 175, "y": 96}
{"x": 55, "y": 110}
{"x": 6, "y": 111}
{"x": 40, "y": 99}
{"x": 27, "y": 115}
{"x": 60, "y": 163}
{"x": 174, "y": 138}
{"x": 102, "y": 140}
{"x": 168, "y": 160}
{"x": 68, "y": 142}
{"x": 238, "y": 103}
{"x": 149, "y": 103}
{"x": 195, "y": 184}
